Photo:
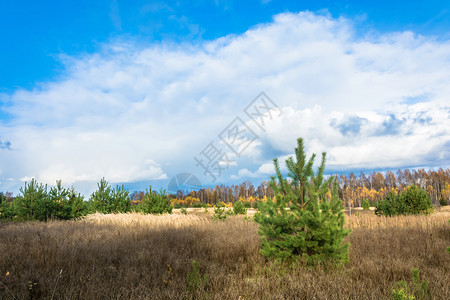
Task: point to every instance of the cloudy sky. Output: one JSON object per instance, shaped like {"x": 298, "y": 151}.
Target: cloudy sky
{"x": 138, "y": 93}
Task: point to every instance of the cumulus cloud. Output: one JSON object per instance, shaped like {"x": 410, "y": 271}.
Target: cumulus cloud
{"x": 413, "y": 136}
{"x": 140, "y": 113}
{"x": 243, "y": 173}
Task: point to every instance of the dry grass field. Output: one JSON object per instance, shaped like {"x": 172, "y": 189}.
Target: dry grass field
{"x": 132, "y": 256}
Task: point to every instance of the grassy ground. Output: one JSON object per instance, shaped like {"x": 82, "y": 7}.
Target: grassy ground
{"x": 148, "y": 257}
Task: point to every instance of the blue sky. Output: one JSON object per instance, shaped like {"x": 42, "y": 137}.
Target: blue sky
{"x": 134, "y": 90}
{"x": 35, "y": 33}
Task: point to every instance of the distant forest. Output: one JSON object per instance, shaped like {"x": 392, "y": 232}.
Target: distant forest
{"x": 352, "y": 189}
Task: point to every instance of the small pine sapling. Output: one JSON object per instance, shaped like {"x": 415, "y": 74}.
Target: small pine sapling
{"x": 313, "y": 227}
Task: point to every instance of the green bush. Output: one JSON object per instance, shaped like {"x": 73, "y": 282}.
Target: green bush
{"x": 7, "y": 210}
{"x": 121, "y": 200}
{"x": 239, "y": 208}
{"x": 101, "y": 198}
{"x": 229, "y": 212}
{"x": 443, "y": 201}
{"x": 59, "y": 202}
{"x": 108, "y": 200}
{"x": 413, "y": 200}
{"x": 257, "y": 204}
{"x": 418, "y": 289}
{"x": 66, "y": 204}
{"x": 219, "y": 213}
{"x": 365, "y": 204}
{"x": 33, "y": 203}
{"x": 156, "y": 203}
{"x": 313, "y": 228}
{"x": 78, "y": 206}
{"x": 417, "y": 200}
{"x": 387, "y": 207}
{"x": 195, "y": 282}
{"x": 401, "y": 293}
{"x": 247, "y": 204}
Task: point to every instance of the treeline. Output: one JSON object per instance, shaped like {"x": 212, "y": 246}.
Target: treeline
{"x": 352, "y": 189}
{"x": 37, "y": 202}
{"x": 376, "y": 186}
{"x": 245, "y": 191}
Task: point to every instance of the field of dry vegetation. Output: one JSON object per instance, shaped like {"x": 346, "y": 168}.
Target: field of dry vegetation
{"x": 133, "y": 256}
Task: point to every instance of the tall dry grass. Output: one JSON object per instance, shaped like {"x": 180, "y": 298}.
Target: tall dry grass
{"x": 367, "y": 219}
{"x": 132, "y": 256}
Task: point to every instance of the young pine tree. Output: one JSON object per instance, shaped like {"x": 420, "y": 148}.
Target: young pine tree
{"x": 121, "y": 202}
{"x": 7, "y": 211}
{"x": 78, "y": 205}
{"x": 108, "y": 200}
{"x": 300, "y": 222}
{"x": 156, "y": 203}
{"x": 58, "y": 196}
{"x": 100, "y": 199}
{"x": 33, "y": 202}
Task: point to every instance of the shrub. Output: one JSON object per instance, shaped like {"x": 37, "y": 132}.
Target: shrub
{"x": 389, "y": 206}
{"x": 229, "y": 212}
{"x": 78, "y": 205}
{"x": 100, "y": 199}
{"x": 365, "y": 204}
{"x": 7, "y": 210}
{"x": 313, "y": 227}
{"x": 443, "y": 201}
{"x": 219, "y": 213}
{"x": 121, "y": 202}
{"x": 257, "y": 204}
{"x": 413, "y": 200}
{"x": 417, "y": 290}
{"x": 32, "y": 203}
{"x": 35, "y": 202}
{"x": 156, "y": 203}
{"x": 417, "y": 200}
{"x": 194, "y": 281}
{"x": 239, "y": 208}
{"x": 59, "y": 202}
{"x": 247, "y": 204}
{"x": 108, "y": 200}
{"x": 401, "y": 293}
{"x": 420, "y": 287}
{"x": 183, "y": 211}
{"x": 178, "y": 205}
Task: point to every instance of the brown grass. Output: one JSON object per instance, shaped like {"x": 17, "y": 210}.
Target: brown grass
{"x": 131, "y": 256}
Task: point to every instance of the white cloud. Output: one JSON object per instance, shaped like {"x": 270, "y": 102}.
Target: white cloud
{"x": 406, "y": 136}
{"x": 243, "y": 173}
{"x": 135, "y": 113}
{"x": 27, "y": 178}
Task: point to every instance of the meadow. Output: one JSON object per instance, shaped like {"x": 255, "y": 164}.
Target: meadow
{"x": 135, "y": 256}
